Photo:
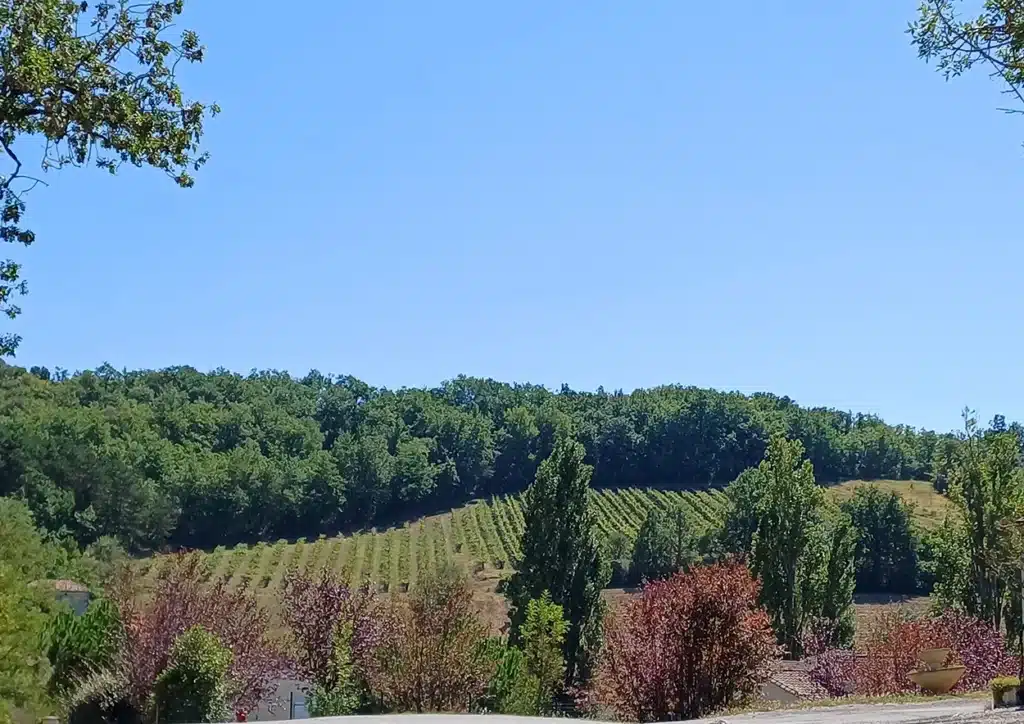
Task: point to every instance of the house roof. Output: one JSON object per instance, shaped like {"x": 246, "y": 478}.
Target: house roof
{"x": 64, "y": 585}
{"x": 795, "y": 677}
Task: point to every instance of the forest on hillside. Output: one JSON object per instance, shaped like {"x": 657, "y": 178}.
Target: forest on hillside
{"x": 181, "y": 458}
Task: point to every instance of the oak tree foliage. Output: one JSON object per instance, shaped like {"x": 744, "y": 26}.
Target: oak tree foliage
{"x": 990, "y": 36}
{"x": 95, "y": 83}
{"x": 179, "y": 458}
{"x": 664, "y": 545}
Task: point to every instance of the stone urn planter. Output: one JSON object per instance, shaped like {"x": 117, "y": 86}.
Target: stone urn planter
{"x": 933, "y": 676}
{"x": 932, "y": 659}
{"x": 1006, "y": 691}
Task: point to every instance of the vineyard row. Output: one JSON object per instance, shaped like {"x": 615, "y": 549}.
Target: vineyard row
{"x": 483, "y": 534}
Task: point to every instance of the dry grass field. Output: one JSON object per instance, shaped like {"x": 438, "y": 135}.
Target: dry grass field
{"x": 930, "y": 507}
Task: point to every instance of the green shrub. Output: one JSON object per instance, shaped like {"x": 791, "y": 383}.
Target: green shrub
{"x": 193, "y": 687}
{"x": 543, "y": 634}
{"x": 79, "y": 645}
{"x": 511, "y": 690}
{"x": 619, "y": 550}
{"x": 22, "y": 679}
{"x": 1004, "y": 682}
{"x": 343, "y": 696}
{"x": 1000, "y": 686}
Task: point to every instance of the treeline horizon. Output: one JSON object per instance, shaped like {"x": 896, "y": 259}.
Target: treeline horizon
{"x": 181, "y": 458}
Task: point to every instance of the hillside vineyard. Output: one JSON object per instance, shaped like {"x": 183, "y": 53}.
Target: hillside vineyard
{"x": 178, "y": 458}
{"x": 483, "y": 534}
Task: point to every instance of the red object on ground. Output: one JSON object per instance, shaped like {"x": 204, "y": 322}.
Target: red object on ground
{"x": 240, "y": 716}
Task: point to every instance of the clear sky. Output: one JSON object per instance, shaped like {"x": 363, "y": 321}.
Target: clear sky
{"x": 605, "y": 193}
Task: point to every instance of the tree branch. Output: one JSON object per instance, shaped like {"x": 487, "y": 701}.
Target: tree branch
{"x": 6, "y": 183}
{"x": 983, "y": 52}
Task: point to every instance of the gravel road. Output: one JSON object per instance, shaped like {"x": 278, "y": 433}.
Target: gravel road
{"x": 965, "y": 711}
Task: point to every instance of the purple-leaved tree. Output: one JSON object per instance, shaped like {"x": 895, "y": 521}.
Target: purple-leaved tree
{"x": 314, "y": 609}
{"x": 183, "y": 600}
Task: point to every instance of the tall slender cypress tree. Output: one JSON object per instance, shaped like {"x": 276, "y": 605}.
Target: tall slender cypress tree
{"x": 561, "y": 556}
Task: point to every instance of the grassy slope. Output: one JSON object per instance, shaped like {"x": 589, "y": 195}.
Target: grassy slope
{"x": 929, "y": 507}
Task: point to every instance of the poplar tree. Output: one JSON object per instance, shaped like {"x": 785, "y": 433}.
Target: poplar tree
{"x": 561, "y": 556}
{"x": 801, "y": 550}
{"x": 986, "y": 485}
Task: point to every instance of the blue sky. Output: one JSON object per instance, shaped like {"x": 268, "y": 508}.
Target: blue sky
{"x": 596, "y": 193}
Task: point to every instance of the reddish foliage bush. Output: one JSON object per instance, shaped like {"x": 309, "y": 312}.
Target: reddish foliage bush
{"x": 896, "y": 641}
{"x": 835, "y": 670}
{"x": 977, "y": 646}
{"x": 314, "y": 608}
{"x": 437, "y": 660}
{"x": 182, "y": 600}
{"x": 686, "y": 646}
{"x": 818, "y": 636}
{"x": 892, "y": 652}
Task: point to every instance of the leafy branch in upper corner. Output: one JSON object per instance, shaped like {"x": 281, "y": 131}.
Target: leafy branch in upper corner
{"x": 96, "y": 83}
{"x": 994, "y": 37}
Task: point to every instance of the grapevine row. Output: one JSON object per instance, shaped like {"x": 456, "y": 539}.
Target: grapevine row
{"x": 480, "y": 533}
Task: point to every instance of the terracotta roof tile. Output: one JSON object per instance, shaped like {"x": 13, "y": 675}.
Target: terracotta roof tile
{"x": 795, "y": 677}
{"x": 65, "y": 586}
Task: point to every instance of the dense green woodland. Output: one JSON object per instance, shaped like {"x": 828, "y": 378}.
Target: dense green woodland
{"x": 181, "y": 458}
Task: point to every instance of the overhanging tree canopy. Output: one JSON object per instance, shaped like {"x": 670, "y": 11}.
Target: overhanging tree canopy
{"x": 994, "y": 37}
{"x": 95, "y": 83}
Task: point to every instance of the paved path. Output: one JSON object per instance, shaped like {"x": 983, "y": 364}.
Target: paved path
{"x": 953, "y": 711}
{"x": 960, "y": 711}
